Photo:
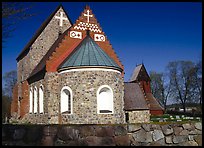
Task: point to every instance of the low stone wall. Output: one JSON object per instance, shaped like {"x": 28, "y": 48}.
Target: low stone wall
{"x": 175, "y": 134}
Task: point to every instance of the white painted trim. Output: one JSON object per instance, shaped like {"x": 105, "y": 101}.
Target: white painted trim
{"x": 35, "y": 99}
{"x": 112, "y": 96}
{"x": 41, "y": 102}
{"x": 90, "y": 69}
{"x": 31, "y": 101}
{"x": 71, "y": 95}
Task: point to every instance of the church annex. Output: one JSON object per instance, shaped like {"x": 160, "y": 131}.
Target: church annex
{"x": 69, "y": 74}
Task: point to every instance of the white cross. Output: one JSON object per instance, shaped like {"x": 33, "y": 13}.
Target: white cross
{"x": 88, "y": 16}
{"x": 61, "y": 18}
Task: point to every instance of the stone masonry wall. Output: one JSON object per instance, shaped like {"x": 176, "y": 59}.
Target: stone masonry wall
{"x": 37, "y": 118}
{"x": 173, "y": 134}
{"x": 38, "y": 49}
{"x": 41, "y": 45}
{"x": 142, "y": 116}
{"x": 84, "y": 85}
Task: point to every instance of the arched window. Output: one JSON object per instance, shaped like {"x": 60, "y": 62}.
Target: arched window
{"x": 31, "y": 101}
{"x": 41, "y": 97}
{"x": 35, "y": 100}
{"x": 105, "y": 100}
{"x": 66, "y": 100}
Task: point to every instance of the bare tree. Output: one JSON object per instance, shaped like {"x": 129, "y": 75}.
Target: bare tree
{"x": 181, "y": 75}
{"x": 10, "y": 79}
{"x": 198, "y": 82}
{"x": 12, "y": 13}
{"x": 160, "y": 87}
{"x": 6, "y": 104}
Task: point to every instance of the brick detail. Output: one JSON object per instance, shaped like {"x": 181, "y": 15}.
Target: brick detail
{"x": 66, "y": 47}
{"x": 14, "y": 102}
{"x": 62, "y": 52}
{"x": 24, "y": 102}
{"x": 156, "y": 112}
{"x": 146, "y": 86}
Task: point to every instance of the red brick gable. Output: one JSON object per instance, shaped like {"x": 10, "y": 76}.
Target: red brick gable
{"x": 75, "y": 35}
{"x": 24, "y": 102}
{"x": 14, "y": 102}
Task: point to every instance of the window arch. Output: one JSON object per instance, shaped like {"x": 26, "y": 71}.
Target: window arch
{"x": 35, "y": 100}
{"x": 104, "y": 100}
{"x": 66, "y": 100}
{"x": 31, "y": 101}
{"x": 41, "y": 98}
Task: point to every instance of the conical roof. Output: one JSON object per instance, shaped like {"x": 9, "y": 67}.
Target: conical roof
{"x": 88, "y": 54}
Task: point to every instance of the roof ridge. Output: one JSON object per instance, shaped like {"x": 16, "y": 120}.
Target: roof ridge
{"x": 39, "y": 31}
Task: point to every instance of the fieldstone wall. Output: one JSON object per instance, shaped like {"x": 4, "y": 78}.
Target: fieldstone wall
{"x": 84, "y": 86}
{"x": 40, "y": 46}
{"x": 174, "y": 134}
{"x": 38, "y": 49}
{"x": 142, "y": 116}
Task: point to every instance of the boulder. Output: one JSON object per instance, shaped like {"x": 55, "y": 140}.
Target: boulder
{"x": 33, "y": 134}
{"x": 189, "y": 143}
{"x": 198, "y": 125}
{"x": 157, "y": 135}
{"x": 168, "y": 139}
{"x": 198, "y": 139}
{"x": 122, "y": 140}
{"x": 120, "y": 130}
{"x": 184, "y": 132}
{"x": 93, "y": 141}
{"x": 87, "y": 131}
{"x": 180, "y": 139}
{"x": 190, "y": 137}
{"x": 99, "y": 141}
{"x": 187, "y": 126}
{"x": 19, "y": 134}
{"x": 167, "y": 130}
{"x": 133, "y": 127}
{"x": 104, "y": 131}
{"x": 146, "y": 127}
{"x": 140, "y": 136}
{"x": 67, "y": 133}
{"x": 107, "y": 141}
{"x": 177, "y": 130}
{"x": 155, "y": 127}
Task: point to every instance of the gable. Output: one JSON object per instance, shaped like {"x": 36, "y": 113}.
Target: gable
{"x": 26, "y": 49}
{"x": 139, "y": 74}
{"x": 76, "y": 34}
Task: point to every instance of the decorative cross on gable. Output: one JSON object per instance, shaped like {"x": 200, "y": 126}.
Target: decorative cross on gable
{"x": 88, "y": 15}
{"x": 61, "y": 18}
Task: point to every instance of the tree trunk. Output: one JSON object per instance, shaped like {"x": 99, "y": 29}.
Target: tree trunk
{"x": 184, "y": 107}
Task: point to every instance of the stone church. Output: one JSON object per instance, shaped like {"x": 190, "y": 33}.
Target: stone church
{"x": 69, "y": 74}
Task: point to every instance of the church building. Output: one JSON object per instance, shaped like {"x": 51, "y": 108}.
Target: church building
{"x": 69, "y": 74}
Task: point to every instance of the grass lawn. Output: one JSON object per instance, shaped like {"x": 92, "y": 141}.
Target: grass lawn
{"x": 173, "y": 118}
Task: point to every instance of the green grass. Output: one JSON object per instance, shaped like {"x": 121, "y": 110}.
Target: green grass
{"x": 172, "y": 118}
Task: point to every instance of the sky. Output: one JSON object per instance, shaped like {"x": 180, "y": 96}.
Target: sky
{"x": 152, "y": 33}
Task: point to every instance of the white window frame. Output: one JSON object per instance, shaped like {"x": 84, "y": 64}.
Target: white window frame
{"x": 71, "y": 98}
{"x": 31, "y": 101}
{"x": 41, "y": 99}
{"x": 112, "y": 99}
{"x": 35, "y": 100}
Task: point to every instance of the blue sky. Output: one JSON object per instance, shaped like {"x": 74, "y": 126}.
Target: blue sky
{"x": 154, "y": 33}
